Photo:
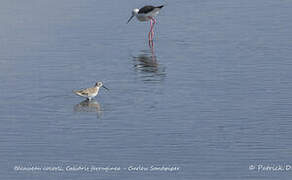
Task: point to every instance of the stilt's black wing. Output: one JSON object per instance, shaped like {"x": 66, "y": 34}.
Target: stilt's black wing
{"x": 146, "y": 9}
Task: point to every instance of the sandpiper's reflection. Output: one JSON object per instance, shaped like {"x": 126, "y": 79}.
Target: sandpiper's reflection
{"x": 148, "y": 67}
{"x": 89, "y": 106}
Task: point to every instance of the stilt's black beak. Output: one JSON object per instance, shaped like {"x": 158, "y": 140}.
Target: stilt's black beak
{"x": 105, "y": 87}
{"x": 130, "y": 19}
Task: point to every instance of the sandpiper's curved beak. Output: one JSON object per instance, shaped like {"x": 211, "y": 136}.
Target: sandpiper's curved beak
{"x": 130, "y": 19}
{"x": 105, "y": 87}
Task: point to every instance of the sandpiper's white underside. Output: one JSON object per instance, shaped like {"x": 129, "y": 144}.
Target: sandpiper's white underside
{"x": 88, "y": 96}
{"x": 88, "y": 93}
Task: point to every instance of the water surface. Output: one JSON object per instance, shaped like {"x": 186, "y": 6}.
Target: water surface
{"x": 212, "y": 97}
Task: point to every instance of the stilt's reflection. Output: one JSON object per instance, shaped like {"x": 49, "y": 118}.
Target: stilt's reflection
{"x": 147, "y": 66}
{"x": 89, "y": 106}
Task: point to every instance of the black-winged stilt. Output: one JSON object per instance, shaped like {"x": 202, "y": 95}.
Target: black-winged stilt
{"x": 147, "y": 13}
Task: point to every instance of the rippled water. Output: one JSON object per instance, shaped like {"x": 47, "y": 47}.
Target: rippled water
{"x": 213, "y": 96}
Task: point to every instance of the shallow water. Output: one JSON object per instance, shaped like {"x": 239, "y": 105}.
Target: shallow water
{"x": 212, "y": 97}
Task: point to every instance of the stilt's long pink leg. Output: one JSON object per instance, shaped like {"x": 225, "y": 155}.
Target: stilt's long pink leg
{"x": 150, "y": 34}
{"x": 150, "y": 43}
{"x": 152, "y": 29}
{"x": 152, "y": 53}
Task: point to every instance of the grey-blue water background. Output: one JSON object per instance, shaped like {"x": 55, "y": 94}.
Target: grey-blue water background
{"x": 213, "y": 98}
